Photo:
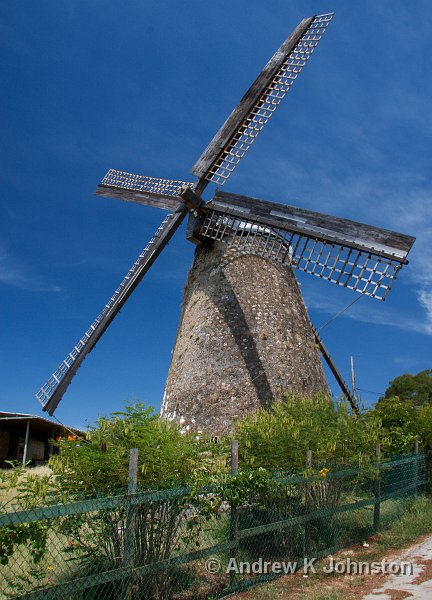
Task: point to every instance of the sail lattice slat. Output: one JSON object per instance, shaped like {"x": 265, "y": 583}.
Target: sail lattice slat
{"x": 269, "y": 101}
{"x": 143, "y": 183}
{"x": 364, "y": 272}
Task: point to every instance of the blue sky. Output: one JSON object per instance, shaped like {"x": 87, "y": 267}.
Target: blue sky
{"x": 142, "y": 87}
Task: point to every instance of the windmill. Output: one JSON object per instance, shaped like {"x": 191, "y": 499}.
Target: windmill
{"x": 244, "y": 325}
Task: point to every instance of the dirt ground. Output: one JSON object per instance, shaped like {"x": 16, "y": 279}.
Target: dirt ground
{"x": 417, "y": 584}
{"x": 414, "y": 585}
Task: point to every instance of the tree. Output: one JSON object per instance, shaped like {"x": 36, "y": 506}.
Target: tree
{"x": 424, "y": 425}
{"x": 417, "y": 388}
{"x": 399, "y": 421}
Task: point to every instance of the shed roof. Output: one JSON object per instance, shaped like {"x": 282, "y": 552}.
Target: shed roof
{"x": 40, "y": 423}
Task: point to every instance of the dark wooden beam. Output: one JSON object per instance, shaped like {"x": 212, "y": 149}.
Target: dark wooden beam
{"x": 194, "y": 225}
{"x": 223, "y": 137}
{"x": 352, "y": 234}
{"x": 333, "y": 368}
{"x": 163, "y": 201}
{"x": 193, "y": 201}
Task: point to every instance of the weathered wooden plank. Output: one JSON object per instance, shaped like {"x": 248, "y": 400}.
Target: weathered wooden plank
{"x": 162, "y": 201}
{"x": 381, "y": 242}
{"x": 223, "y": 137}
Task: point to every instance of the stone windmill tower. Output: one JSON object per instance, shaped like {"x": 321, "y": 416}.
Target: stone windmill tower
{"x": 244, "y": 339}
{"x": 244, "y": 336}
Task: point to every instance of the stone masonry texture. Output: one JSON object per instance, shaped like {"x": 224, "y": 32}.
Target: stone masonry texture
{"x": 244, "y": 339}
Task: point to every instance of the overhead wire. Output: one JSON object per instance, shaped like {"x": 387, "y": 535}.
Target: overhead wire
{"x": 71, "y": 431}
{"x": 371, "y": 392}
{"x": 338, "y": 314}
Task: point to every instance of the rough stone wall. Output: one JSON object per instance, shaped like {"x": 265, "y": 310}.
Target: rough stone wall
{"x": 244, "y": 338}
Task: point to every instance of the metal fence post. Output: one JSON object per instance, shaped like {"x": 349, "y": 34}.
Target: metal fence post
{"x": 133, "y": 471}
{"x": 308, "y": 507}
{"x": 417, "y": 486}
{"x": 234, "y": 513}
{"x": 129, "y": 537}
{"x": 377, "y": 505}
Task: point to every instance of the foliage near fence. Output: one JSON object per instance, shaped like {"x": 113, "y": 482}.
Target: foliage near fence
{"x": 154, "y": 545}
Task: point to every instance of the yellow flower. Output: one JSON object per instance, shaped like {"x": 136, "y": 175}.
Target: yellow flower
{"x": 50, "y": 568}
{"x": 324, "y": 471}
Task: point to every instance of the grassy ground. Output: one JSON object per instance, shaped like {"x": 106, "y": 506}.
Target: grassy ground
{"x": 413, "y": 524}
{"x": 20, "y": 573}
{"x": 8, "y": 494}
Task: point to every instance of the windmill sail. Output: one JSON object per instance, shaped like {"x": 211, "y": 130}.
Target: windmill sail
{"x": 240, "y": 130}
{"x": 151, "y": 191}
{"x": 354, "y": 255}
{"x": 52, "y": 391}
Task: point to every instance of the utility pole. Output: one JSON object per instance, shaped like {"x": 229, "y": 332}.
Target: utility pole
{"x": 353, "y": 381}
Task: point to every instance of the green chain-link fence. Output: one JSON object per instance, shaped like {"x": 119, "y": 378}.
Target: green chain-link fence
{"x": 179, "y": 544}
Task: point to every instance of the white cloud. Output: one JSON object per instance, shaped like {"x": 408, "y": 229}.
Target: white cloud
{"x": 14, "y": 274}
{"x": 364, "y": 310}
{"x": 425, "y": 299}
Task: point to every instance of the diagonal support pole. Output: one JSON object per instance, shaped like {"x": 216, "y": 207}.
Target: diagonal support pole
{"x": 333, "y": 368}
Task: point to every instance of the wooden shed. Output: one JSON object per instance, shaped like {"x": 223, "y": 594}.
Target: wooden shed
{"x": 27, "y": 438}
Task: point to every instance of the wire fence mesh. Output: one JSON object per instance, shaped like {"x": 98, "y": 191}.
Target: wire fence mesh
{"x": 186, "y": 544}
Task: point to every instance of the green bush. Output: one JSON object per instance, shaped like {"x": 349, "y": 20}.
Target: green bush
{"x": 279, "y": 438}
{"x": 399, "y": 422}
{"x": 402, "y": 423}
{"x": 101, "y": 462}
{"x": 147, "y": 532}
